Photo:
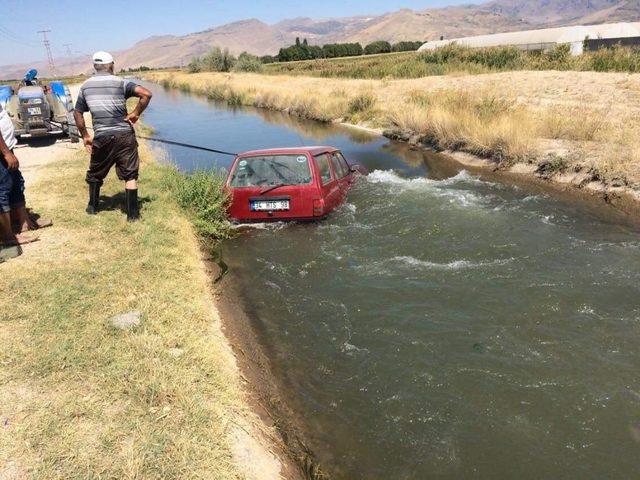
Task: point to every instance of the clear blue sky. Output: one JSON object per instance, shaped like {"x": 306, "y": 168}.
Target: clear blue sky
{"x": 91, "y": 25}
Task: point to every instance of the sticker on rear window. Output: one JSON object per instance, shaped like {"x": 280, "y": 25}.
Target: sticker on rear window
{"x": 301, "y": 159}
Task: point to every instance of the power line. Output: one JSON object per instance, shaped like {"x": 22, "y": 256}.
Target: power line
{"x": 10, "y": 35}
{"x": 47, "y": 46}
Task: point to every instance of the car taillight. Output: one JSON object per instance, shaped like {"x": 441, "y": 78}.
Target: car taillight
{"x": 318, "y": 207}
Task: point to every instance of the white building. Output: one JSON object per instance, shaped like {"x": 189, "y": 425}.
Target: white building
{"x": 545, "y": 38}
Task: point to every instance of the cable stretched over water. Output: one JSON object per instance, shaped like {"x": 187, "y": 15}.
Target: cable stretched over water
{"x": 186, "y": 145}
{"x": 159, "y": 140}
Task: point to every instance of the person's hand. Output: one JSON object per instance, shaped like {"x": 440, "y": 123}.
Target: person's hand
{"x": 132, "y": 118}
{"x": 12, "y": 161}
{"x": 88, "y": 144}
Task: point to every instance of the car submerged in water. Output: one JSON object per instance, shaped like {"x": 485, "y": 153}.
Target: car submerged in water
{"x": 288, "y": 184}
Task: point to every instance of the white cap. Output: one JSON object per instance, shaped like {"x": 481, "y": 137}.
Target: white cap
{"x": 102, "y": 58}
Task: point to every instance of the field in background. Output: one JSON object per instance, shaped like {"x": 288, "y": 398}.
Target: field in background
{"x": 564, "y": 122}
{"x": 457, "y": 59}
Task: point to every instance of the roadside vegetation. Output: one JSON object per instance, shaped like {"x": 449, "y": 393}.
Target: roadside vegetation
{"x": 517, "y": 117}
{"x": 81, "y": 398}
{"x": 455, "y": 59}
{"x": 202, "y": 196}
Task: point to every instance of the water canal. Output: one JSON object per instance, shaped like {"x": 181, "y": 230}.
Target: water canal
{"x": 437, "y": 325}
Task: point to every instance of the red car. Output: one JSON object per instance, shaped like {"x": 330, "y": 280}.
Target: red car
{"x": 305, "y": 183}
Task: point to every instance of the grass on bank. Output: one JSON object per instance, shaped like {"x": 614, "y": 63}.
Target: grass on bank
{"x": 81, "y": 399}
{"x": 458, "y": 59}
{"x": 508, "y": 125}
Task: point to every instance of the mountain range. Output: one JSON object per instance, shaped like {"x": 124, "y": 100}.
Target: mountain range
{"x": 257, "y": 37}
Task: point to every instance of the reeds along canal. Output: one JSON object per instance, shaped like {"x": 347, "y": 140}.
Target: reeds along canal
{"x": 437, "y": 324}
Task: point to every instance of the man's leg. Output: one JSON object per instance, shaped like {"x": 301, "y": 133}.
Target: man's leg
{"x": 127, "y": 167}
{"x": 7, "y": 237}
{"x": 19, "y": 216}
{"x": 102, "y": 159}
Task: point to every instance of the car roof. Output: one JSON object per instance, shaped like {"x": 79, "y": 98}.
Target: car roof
{"x": 313, "y": 150}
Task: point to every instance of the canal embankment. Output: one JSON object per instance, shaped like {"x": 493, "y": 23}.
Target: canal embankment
{"x": 576, "y": 130}
{"x": 83, "y": 393}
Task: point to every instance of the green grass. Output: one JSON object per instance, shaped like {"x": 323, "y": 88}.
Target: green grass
{"x": 202, "y": 196}
{"x": 454, "y": 59}
{"x": 81, "y": 399}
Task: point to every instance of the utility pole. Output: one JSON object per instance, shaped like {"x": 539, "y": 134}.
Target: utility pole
{"x": 47, "y": 46}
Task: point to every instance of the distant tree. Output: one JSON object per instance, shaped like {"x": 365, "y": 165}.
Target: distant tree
{"x": 406, "y": 46}
{"x": 195, "y": 65}
{"x": 268, "y": 59}
{"x": 305, "y": 43}
{"x": 248, "y": 63}
{"x": 217, "y": 60}
{"x": 380, "y": 46}
{"x": 300, "y": 52}
{"x": 333, "y": 50}
{"x": 297, "y": 41}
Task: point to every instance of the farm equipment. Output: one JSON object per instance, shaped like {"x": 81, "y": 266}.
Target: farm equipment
{"x": 39, "y": 109}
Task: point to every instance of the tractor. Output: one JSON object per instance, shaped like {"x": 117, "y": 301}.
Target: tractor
{"x": 39, "y": 109}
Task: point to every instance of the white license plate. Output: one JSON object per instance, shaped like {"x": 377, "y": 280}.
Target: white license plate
{"x": 35, "y": 111}
{"x": 269, "y": 205}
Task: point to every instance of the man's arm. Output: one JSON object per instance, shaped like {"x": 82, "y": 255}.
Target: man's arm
{"x": 80, "y": 108}
{"x": 145, "y": 97}
{"x": 12, "y": 161}
{"x": 82, "y": 128}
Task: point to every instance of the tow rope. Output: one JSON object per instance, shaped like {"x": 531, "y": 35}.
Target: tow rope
{"x": 155, "y": 139}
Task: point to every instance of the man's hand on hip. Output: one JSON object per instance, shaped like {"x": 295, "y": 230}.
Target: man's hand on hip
{"x": 12, "y": 161}
{"x": 132, "y": 118}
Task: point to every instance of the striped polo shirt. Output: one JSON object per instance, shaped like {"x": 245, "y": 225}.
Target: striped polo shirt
{"x": 105, "y": 96}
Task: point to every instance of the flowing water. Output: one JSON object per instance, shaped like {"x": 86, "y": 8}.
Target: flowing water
{"x": 437, "y": 325}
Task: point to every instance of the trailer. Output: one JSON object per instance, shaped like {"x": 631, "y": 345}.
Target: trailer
{"x": 39, "y": 109}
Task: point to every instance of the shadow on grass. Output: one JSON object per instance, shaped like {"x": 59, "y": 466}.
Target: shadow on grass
{"x": 118, "y": 202}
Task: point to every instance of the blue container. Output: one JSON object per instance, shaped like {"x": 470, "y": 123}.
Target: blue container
{"x": 58, "y": 89}
{"x": 30, "y": 75}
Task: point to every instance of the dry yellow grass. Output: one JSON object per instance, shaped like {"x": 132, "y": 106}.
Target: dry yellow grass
{"x": 81, "y": 399}
{"x": 592, "y": 119}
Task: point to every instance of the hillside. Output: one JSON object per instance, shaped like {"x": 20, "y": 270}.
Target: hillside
{"x": 260, "y": 38}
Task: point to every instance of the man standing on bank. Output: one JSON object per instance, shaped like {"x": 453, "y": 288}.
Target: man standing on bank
{"x": 114, "y": 142}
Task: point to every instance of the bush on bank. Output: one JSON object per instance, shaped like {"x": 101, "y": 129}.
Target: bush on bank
{"x": 202, "y": 196}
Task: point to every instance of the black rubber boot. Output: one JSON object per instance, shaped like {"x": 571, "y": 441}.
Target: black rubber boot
{"x": 133, "y": 212}
{"x": 94, "y": 198}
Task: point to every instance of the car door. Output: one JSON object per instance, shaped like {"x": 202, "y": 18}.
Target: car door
{"x": 330, "y": 186}
{"x": 343, "y": 171}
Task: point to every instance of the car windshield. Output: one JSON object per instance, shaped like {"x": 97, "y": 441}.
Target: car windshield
{"x": 266, "y": 170}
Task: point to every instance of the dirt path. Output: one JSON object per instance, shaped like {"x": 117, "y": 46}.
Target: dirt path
{"x": 39, "y": 153}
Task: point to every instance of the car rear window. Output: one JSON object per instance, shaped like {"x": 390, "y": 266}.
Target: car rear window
{"x": 323, "y": 167}
{"x": 271, "y": 170}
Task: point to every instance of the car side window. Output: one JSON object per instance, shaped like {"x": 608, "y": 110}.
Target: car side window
{"x": 323, "y": 167}
{"x": 337, "y": 166}
{"x": 345, "y": 164}
{"x": 340, "y": 165}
